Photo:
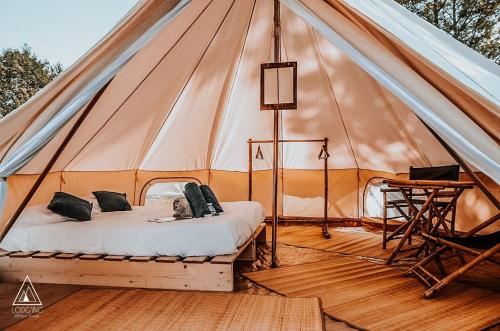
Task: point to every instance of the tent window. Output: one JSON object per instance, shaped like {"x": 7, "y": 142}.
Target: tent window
{"x": 163, "y": 194}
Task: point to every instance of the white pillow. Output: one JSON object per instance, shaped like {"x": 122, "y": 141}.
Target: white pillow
{"x": 39, "y": 215}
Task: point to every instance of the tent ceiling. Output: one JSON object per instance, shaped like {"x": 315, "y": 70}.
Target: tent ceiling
{"x": 189, "y": 100}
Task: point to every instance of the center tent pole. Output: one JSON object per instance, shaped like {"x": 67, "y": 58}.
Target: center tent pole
{"x": 277, "y": 48}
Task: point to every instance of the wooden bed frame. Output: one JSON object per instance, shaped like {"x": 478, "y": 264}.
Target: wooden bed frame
{"x": 201, "y": 273}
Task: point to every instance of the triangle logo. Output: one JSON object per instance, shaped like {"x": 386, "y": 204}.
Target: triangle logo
{"x": 27, "y": 296}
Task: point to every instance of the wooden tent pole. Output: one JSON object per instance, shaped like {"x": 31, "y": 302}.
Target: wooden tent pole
{"x": 51, "y": 162}
{"x": 277, "y": 48}
{"x": 466, "y": 167}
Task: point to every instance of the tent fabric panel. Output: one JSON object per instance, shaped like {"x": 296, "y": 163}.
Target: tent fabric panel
{"x": 136, "y": 123}
{"x": 316, "y": 115}
{"x": 18, "y": 188}
{"x": 187, "y": 131}
{"x": 229, "y": 185}
{"x": 380, "y": 140}
{"x": 431, "y": 152}
{"x": 303, "y": 193}
{"x": 461, "y": 133}
{"x": 243, "y": 105}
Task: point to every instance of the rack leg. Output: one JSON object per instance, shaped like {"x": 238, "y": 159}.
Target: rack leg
{"x": 324, "y": 229}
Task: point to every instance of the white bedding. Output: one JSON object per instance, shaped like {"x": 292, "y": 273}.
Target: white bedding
{"x": 130, "y": 233}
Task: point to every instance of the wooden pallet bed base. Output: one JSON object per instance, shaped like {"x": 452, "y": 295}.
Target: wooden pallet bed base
{"x": 201, "y": 273}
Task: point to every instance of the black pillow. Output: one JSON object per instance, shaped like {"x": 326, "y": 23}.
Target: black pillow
{"x": 70, "y": 206}
{"x": 112, "y": 201}
{"x": 211, "y": 198}
{"x": 196, "y": 200}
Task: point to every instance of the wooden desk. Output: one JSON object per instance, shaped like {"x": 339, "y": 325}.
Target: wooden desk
{"x": 432, "y": 189}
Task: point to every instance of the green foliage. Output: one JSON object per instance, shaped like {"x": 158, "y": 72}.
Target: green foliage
{"x": 472, "y": 22}
{"x": 22, "y": 75}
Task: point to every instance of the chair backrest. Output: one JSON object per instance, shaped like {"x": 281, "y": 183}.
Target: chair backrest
{"x": 451, "y": 172}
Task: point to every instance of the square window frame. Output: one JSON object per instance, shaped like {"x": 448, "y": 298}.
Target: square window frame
{"x": 278, "y": 106}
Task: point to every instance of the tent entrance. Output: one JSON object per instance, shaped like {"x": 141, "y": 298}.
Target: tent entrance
{"x": 322, "y": 156}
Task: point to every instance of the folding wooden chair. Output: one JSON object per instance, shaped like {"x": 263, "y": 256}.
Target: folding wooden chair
{"x": 483, "y": 247}
{"x": 405, "y": 209}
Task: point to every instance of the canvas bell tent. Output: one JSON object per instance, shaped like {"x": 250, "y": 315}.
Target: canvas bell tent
{"x": 173, "y": 90}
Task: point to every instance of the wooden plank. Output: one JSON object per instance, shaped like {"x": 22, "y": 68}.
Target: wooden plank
{"x": 66, "y": 256}
{"x": 90, "y": 256}
{"x": 5, "y": 253}
{"x": 44, "y": 255}
{"x": 168, "y": 259}
{"x": 247, "y": 251}
{"x": 176, "y": 276}
{"x": 141, "y": 258}
{"x": 195, "y": 259}
{"x": 115, "y": 257}
{"x": 224, "y": 259}
{"x": 22, "y": 254}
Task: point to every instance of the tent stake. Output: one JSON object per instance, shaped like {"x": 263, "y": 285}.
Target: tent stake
{"x": 466, "y": 167}
{"x": 51, "y": 162}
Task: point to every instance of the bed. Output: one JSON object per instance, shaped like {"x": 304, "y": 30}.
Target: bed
{"x": 144, "y": 231}
{"x": 138, "y": 248}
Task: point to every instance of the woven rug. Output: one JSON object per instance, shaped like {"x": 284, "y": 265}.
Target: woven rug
{"x": 376, "y": 297}
{"x": 119, "y": 309}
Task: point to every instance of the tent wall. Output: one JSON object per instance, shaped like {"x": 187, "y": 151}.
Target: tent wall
{"x": 301, "y": 190}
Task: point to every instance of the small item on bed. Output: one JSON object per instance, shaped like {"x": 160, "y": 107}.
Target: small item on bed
{"x": 211, "y": 207}
{"x": 112, "y": 201}
{"x": 211, "y": 198}
{"x": 164, "y": 220}
{"x": 196, "y": 200}
{"x": 71, "y": 206}
{"x": 182, "y": 210}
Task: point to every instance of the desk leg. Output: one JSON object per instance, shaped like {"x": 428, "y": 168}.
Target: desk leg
{"x": 414, "y": 223}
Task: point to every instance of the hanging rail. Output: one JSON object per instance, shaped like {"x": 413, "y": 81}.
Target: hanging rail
{"x": 324, "y": 148}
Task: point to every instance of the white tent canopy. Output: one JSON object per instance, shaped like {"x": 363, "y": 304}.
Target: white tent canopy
{"x": 184, "y": 95}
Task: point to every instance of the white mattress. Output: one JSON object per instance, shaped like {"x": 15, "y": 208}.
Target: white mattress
{"x": 130, "y": 233}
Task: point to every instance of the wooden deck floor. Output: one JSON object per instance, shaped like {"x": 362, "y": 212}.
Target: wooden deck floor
{"x": 369, "y": 295}
{"x": 377, "y": 297}
{"x": 349, "y": 241}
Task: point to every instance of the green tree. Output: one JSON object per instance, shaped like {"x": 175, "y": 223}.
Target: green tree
{"x": 22, "y": 74}
{"x": 472, "y": 22}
